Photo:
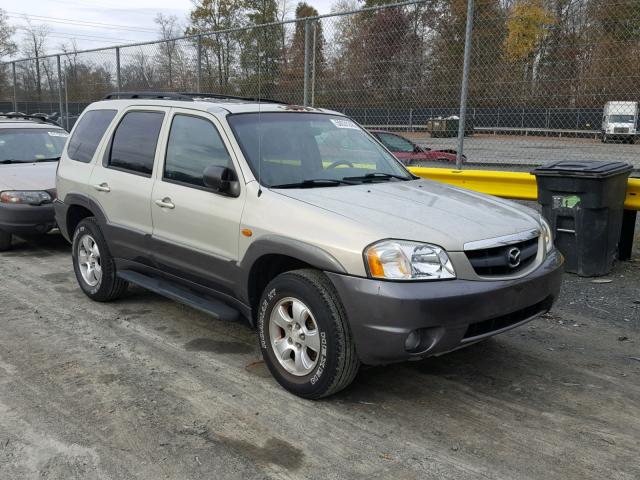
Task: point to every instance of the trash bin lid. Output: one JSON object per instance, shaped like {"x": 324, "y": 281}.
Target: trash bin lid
{"x": 582, "y": 169}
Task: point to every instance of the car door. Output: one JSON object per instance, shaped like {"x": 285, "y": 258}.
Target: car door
{"x": 195, "y": 230}
{"x": 123, "y": 182}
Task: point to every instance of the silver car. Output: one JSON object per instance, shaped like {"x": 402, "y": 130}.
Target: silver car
{"x": 301, "y": 222}
{"x": 30, "y": 148}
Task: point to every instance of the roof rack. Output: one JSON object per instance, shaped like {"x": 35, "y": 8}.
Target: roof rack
{"x": 43, "y": 117}
{"x": 221, "y": 96}
{"x": 148, "y": 95}
{"x": 185, "y": 96}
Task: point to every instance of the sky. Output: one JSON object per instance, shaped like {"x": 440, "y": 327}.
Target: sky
{"x": 95, "y": 24}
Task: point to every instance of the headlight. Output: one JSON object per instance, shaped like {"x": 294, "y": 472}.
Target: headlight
{"x": 404, "y": 260}
{"x": 547, "y": 235}
{"x": 28, "y": 197}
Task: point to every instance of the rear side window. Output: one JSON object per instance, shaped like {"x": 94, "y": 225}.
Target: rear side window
{"x": 88, "y": 133}
{"x": 133, "y": 147}
{"x": 194, "y": 144}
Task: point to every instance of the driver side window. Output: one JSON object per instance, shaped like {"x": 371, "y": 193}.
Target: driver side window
{"x": 194, "y": 144}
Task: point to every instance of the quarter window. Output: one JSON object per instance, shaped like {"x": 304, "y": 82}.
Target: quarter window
{"x": 88, "y": 133}
{"x": 194, "y": 144}
{"x": 133, "y": 147}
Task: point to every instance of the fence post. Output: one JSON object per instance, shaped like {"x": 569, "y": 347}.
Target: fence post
{"x": 199, "y": 64}
{"x": 313, "y": 64}
{"x": 15, "y": 87}
{"x": 118, "y": 78}
{"x": 62, "y": 113}
{"x": 307, "y": 58}
{"x": 464, "y": 90}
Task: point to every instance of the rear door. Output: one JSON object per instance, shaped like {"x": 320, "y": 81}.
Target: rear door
{"x": 122, "y": 183}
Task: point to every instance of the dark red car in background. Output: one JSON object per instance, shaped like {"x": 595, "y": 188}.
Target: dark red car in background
{"x": 411, "y": 153}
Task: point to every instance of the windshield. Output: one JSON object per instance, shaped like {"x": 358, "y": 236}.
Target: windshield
{"x": 319, "y": 150}
{"x": 621, "y": 118}
{"x": 31, "y": 144}
{"x": 396, "y": 143}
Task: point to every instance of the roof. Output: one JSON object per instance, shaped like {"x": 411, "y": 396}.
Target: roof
{"x": 26, "y": 123}
{"x": 213, "y": 105}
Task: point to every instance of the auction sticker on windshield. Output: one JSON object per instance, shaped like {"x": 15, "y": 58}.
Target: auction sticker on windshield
{"x": 58, "y": 134}
{"x": 343, "y": 123}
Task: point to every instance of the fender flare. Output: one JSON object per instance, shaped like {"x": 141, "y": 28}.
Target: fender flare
{"x": 279, "y": 245}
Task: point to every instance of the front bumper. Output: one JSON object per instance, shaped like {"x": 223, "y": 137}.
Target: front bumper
{"x": 27, "y": 220}
{"x": 449, "y": 314}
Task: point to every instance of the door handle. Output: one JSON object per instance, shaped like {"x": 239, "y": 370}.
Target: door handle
{"x": 103, "y": 187}
{"x": 165, "y": 203}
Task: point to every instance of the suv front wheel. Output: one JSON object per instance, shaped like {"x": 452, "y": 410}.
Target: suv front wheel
{"x": 304, "y": 335}
{"x": 93, "y": 264}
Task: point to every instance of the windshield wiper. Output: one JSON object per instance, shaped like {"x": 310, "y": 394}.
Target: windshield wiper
{"x": 35, "y": 160}
{"x": 314, "y": 182}
{"x": 369, "y": 177}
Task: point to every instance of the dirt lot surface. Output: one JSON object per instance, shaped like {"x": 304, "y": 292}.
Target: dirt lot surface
{"x": 146, "y": 388}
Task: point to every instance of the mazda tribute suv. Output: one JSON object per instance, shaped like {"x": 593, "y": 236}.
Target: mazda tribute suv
{"x": 301, "y": 222}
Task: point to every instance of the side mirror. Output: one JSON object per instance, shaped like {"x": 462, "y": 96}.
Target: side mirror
{"x": 222, "y": 180}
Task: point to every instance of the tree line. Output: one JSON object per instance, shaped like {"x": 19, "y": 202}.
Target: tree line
{"x": 526, "y": 53}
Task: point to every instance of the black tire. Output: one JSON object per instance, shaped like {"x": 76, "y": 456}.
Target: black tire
{"x": 5, "y": 241}
{"x": 110, "y": 286}
{"x": 338, "y": 363}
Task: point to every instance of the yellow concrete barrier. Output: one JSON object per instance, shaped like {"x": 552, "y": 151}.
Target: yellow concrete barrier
{"x": 515, "y": 185}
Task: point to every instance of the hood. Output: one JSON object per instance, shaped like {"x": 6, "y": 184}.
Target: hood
{"x": 28, "y": 176}
{"x": 422, "y": 210}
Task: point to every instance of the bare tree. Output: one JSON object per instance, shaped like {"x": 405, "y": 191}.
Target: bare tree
{"x": 7, "y": 45}
{"x": 169, "y": 29}
{"x": 33, "y": 45}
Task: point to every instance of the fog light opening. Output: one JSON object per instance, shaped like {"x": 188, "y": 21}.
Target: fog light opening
{"x": 413, "y": 341}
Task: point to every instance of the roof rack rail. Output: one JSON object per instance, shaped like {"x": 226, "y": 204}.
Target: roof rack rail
{"x": 43, "y": 117}
{"x": 148, "y": 95}
{"x": 185, "y": 96}
{"x": 223, "y": 96}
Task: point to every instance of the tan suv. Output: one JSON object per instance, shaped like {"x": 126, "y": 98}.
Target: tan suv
{"x": 301, "y": 222}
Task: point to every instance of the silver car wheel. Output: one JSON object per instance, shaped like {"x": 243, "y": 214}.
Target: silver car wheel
{"x": 89, "y": 260}
{"x": 294, "y": 336}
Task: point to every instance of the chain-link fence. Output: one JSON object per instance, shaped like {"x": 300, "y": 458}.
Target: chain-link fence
{"x": 547, "y": 79}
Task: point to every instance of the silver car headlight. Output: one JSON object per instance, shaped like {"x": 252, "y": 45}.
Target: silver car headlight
{"x": 547, "y": 235}
{"x": 405, "y": 260}
{"x": 30, "y": 197}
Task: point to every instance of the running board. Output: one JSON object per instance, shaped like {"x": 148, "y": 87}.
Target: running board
{"x": 213, "y": 307}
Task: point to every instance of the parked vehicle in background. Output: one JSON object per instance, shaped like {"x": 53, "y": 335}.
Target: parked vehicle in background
{"x": 298, "y": 220}
{"x": 30, "y": 147}
{"x": 410, "y": 153}
{"x": 620, "y": 121}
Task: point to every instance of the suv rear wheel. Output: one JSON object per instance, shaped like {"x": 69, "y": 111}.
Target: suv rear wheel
{"x": 304, "y": 335}
{"x": 93, "y": 264}
{"x": 5, "y": 241}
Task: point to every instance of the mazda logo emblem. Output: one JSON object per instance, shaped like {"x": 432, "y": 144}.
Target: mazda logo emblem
{"x": 514, "y": 257}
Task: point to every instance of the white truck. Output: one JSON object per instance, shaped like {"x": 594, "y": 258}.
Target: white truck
{"x": 619, "y": 121}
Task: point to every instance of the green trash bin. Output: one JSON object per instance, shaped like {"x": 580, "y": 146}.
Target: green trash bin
{"x": 583, "y": 202}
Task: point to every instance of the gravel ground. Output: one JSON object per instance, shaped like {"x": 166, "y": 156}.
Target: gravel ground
{"x": 146, "y": 388}
{"x": 514, "y": 150}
